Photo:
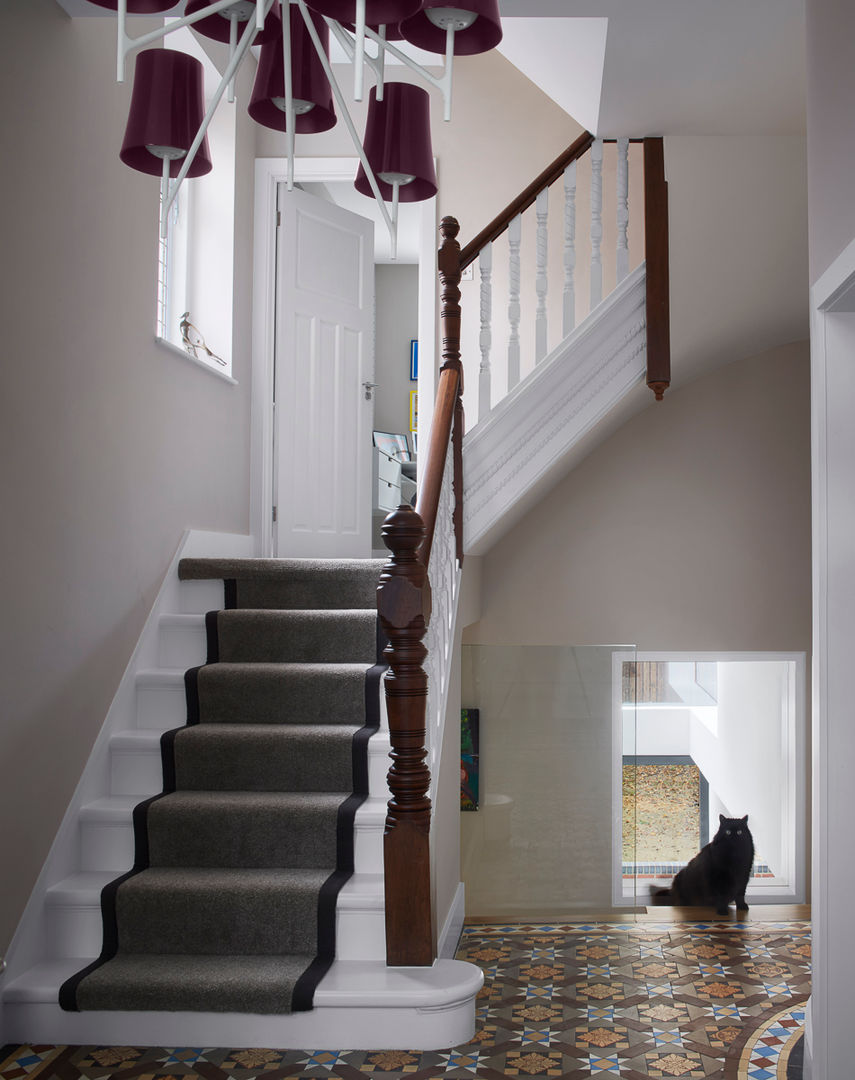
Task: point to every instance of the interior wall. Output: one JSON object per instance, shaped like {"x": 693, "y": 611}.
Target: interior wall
{"x": 397, "y": 320}
{"x": 831, "y": 146}
{"x": 112, "y": 446}
{"x": 687, "y": 529}
{"x": 830, "y": 27}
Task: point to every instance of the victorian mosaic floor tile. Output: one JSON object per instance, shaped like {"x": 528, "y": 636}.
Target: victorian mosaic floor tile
{"x": 697, "y": 1001}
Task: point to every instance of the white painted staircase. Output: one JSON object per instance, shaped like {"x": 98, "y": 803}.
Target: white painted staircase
{"x": 359, "y": 1004}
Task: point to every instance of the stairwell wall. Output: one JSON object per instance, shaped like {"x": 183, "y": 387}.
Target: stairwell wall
{"x": 112, "y": 446}
{"x": 688, "y": 528}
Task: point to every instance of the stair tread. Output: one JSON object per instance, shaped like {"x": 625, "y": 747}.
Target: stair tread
{"x": 348, "y": 982}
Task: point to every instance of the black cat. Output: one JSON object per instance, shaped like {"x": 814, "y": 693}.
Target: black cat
{"x": 719, "y": 872}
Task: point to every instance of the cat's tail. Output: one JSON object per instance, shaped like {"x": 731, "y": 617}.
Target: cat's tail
{"x": 662, "y": 897}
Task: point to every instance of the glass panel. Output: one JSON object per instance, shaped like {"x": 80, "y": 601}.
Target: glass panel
{"x": 545, "y": 841}
{"x": 711, "y": 737}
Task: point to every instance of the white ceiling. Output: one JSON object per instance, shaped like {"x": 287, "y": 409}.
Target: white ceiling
{"x": 670, "y": 67}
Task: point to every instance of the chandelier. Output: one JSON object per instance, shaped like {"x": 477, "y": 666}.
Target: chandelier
{"x": 295, "y": 89}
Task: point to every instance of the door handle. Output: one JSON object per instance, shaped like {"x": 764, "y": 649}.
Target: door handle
{"x": 369, "y": 387}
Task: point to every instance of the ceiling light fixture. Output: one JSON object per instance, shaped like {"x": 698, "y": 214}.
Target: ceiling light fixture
{"x": 295, "y": 86}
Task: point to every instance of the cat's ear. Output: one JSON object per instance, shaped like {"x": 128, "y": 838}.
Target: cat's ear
{"x": 721, "y": 819}
{"x": 745, "y": 820}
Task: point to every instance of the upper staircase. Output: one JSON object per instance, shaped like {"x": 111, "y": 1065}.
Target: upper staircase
{"x": 584, "y": 284}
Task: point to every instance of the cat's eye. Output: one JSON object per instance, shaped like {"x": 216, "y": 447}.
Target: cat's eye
{"x": 727, "y": 832}
{"x": 739, "y": 832}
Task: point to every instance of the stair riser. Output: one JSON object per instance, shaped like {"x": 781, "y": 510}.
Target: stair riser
{"x": 110, "y": 846}
{"x": 140, "y": 772}
{"x": 136, "y": 772}
{"x": 182, "y": 646}
{"x": 161, "y": 708}
{"x": 74, "y": 931}
{"x": 106, "y": 846}
{"x": 199, "y": 597}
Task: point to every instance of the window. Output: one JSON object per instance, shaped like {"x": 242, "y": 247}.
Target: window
{"x": 195, "y": 261}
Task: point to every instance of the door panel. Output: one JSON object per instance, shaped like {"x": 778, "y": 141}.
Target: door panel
{"x": 324, "y": 355}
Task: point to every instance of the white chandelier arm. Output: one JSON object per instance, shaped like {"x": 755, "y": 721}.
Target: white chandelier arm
{"x": 339, "y": 97}
{"x": 442, "y": 82}
{"x": 359, "y": 61}
{"x": 126, "y": 45}
{"x": 234, "y": 64}
{"x": 233, "y": 40}
{"x": 290, "y": 115}
{"x": 348, "y": 44}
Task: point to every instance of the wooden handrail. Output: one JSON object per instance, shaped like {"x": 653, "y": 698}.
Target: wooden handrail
{"x": 525, "y": 198}
{"x": 404, "y": 605}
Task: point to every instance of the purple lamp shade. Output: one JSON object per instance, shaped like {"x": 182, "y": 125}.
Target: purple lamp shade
{"x": 313, "y": 97}
{"x": 218, "y": 26}
{"x": 138, "y": 7}
{"x": 389, "y": 12}
{"x": 167, "y": 109}
{"x": 427, "y": 28}
{"x": 397, "y": 143}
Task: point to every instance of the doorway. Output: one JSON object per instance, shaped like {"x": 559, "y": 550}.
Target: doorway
{"x": 269, "y": 173}
{"x": 701, "y": 735}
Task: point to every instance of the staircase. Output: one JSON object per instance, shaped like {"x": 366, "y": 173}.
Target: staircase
{"x": 244, "y": 904}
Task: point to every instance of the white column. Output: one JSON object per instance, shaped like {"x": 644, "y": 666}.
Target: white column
{"x": 514, "y": 238}
{"x": 569, "y": 248}
{"x": 596, "y": 222}
{"x": 622, "y": 208}
{"x": 485, "y": 265}
{"x": 541, "y": 209}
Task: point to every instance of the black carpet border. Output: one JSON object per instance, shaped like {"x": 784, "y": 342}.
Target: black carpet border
{"x": 302, "y": 997}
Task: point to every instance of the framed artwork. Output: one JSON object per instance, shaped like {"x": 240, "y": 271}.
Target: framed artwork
{"x": 414, "y": 410}
{"x": 414, "y": 360}
{"x": 469, "y": 754}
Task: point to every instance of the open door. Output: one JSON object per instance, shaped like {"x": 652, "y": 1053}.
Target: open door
{"x": 324, "y": 375}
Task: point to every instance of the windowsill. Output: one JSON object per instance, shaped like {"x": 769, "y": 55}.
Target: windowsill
{"x": 168, "y": 345}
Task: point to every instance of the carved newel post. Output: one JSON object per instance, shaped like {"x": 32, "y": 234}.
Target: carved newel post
{"x": 403, "y": 604}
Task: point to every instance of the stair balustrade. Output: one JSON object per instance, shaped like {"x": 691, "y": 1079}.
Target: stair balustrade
{"x": 416, "y": 599}
{"x": 417, "y": 594}
{"x": 527, "y": 334}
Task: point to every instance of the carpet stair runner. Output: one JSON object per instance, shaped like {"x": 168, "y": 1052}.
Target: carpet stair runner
{"x": 230, "y": 905}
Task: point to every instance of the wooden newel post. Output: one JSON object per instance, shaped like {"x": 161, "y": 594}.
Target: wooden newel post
{"x": 657, "y": 259}
{"x": 403, "y": 604}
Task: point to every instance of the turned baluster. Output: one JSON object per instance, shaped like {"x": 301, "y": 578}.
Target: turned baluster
{"x": 596, "y": 222}
{"x": 569, "y": 248}
{"x": 541, "y": 209}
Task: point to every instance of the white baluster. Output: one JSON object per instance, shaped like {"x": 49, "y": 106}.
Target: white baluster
{"x": 514, "y": 239}
{"x": 622, "y": 208}
{"x": 541, "y": 209}
{"x": 485, "y": 265}
{"x": 596, "y": 222}
{"x": 569, "y": 248}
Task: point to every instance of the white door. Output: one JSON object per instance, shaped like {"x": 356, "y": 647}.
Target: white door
{"x": 324, "y": 363}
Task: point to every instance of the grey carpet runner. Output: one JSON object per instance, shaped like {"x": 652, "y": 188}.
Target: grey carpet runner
{"x": 230, "y": 905}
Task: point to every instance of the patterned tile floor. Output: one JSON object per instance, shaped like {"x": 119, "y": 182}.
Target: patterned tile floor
{"x": 634, "y": 1000}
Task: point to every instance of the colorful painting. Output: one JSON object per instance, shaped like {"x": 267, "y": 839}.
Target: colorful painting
{"x": 469, "y": 759}
{"x": 414, "y": 410}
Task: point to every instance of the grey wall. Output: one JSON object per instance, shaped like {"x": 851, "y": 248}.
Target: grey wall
{"x": 687, "y": 529}
{"x": 111, "y": 447}
{"x": 831, "y": 151}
